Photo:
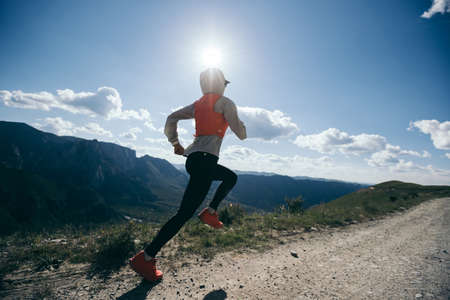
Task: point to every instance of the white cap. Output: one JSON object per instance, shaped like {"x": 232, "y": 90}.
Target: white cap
{"x": 213, "y": 81}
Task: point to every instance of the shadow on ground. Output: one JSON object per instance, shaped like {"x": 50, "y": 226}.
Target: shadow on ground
{"x": 216, "y": 295}
{"x": 140, "y": 292}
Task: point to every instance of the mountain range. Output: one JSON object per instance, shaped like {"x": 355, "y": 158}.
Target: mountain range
{"x": 48, "y": 180}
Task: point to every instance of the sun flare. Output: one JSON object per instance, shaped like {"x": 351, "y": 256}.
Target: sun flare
{"x": 211, "y": 57}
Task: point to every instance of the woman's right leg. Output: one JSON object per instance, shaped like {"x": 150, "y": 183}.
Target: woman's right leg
{"x": 196, "y": 191}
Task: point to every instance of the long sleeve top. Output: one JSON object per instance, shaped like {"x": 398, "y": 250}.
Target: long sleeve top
{"x": 205, "y": 143}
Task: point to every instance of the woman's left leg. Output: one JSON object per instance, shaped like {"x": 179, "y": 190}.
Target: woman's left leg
{"x": 228, "y": 178}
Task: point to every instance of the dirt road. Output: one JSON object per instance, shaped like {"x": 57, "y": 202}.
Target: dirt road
{"x": 403, "y": 256}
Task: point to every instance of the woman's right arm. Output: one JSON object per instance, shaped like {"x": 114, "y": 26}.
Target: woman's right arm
{"x": 170, "y": 129}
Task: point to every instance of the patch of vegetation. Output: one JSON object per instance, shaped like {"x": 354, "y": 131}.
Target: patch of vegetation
{"x": 43, "y": 292}
{"x": 201, "y": 239}
{"x": 105, "y": 248}
{"x": 231, "y": 214}
{"x": 112, "y": 248}
{"x": 293, "y": 206}
{"x": 39, "y": 252}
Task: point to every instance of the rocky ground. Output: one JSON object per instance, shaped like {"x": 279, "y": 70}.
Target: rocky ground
{"x": 402, "y": 256}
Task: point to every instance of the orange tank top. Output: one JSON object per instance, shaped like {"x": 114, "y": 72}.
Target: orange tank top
{"x": 207, "y": 121}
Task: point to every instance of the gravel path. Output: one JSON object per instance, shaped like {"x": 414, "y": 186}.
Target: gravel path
{"x": 403, "y": 256}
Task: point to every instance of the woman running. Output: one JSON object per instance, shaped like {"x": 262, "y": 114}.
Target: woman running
{"x": 213, "y": 113}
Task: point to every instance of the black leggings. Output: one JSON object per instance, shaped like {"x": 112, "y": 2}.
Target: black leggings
{"x": 203, "y": 169}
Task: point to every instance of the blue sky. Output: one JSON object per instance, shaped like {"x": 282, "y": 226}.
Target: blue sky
{"x": 351, "y": 90}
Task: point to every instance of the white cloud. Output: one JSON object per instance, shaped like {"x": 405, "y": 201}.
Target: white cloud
{"x": 438, "y": 6}
{"x": 397, "y": 150}
{"x": 390, "y": 167}
{"x": 439, "y": 132}
{"x": 448, "y": 155}
{"x": 57, "y": 126}
{"x": 42, "y": 100}
{"x": 403, "y": 166}
{"x": 105, "y": 102}
{"x": 247, "y": 159}
{"x": 390, "y": 159}
{"x": 440, "y": 172}
{"x": 131, "y": 134}
{"x": 150, "y": 125}
{"x": 182, "y": 130}
{"x": 408, "y": 167}
{"x": 383, "y": 158}
{"x": 158, "y": 141}
{"x": 426, "y": 154}
{"x": 390, "y": 156}
{"x": 94, "y": 129}
{"x": 265, "y": 124}
{"x": 333, "y": 140}
{"x": 382, "y": 154}
{"x": 62, "y": 127}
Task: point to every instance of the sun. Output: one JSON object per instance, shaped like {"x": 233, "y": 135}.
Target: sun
{"x": 211, "y": 57}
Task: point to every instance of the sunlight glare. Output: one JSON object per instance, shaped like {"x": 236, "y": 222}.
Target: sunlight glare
{"x": 211, "y": 57}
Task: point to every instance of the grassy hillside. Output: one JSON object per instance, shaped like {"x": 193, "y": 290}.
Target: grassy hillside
{"x": 377, "y": 201}
{"x": 107, "y": 247}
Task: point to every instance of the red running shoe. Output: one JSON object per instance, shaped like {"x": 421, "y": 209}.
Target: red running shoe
{"x": 210, "y": 219}
{"x": 147, "y": 269}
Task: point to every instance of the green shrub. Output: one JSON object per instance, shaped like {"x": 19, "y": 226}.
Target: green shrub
{"x": 113, "y": 247}
{"x": 231, "y": 214}
{"x": 205, "y": 241}
{"x": 44, "y": 291}
{"x": 47, "y": 256}
{"x": 295, "y": 205}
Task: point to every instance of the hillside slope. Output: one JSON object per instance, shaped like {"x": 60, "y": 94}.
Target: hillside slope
{"x": 378, "y": 200}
